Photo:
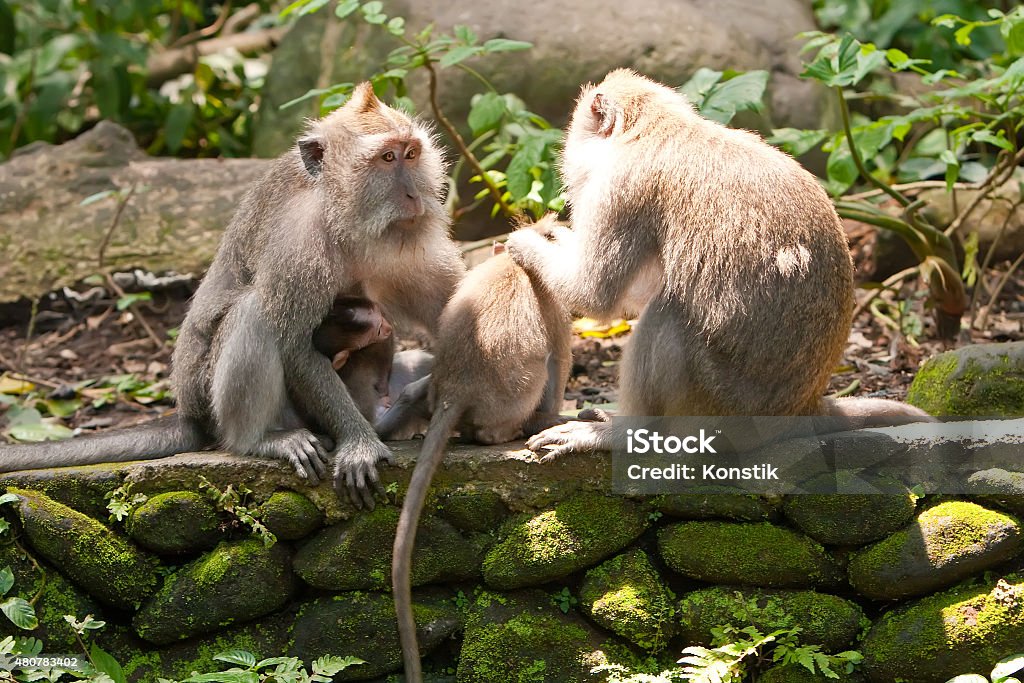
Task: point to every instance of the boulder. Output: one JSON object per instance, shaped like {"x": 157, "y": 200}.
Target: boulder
{"x": 980, "y": 380}
{"x": 852, "y": 519}
{"x": 579, "y": 532}
{"x": 289, "y": 515}
{"x": 948, "y": 542}
{"x": 174, "y": 523}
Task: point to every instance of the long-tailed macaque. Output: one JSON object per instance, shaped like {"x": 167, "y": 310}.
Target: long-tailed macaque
{"x": 354, "y": 208}
{"x": 752, "y": 280}
{"x": 502, "y": 359}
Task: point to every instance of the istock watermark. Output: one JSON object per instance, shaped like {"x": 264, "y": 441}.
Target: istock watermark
{"x": 794, "y": 455}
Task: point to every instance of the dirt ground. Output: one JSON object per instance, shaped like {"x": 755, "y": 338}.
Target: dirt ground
{"x": 69, "y": 342}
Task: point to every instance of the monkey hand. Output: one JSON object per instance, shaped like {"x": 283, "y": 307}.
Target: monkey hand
{"x": 529, "y": 250}
{"x": 355, "y": 469}
{"x": 572, "y": 437}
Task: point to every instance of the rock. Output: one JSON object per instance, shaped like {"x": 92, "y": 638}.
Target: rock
{"x": 825, "y": 620}
{"x": 56, "y": 597}
{"x": 172, "y": 222}
{"x": 853, "y": 519}
{"x": 987, "y": 219}
{"x": 363, "y": 625}
{"x": 963, "y": 630}
{"x": 1004, "y": 489}
{"x": 576, "y": 533}
{"x": 80, "y": 488}
{"x": 175, "y": 523}
{"x": 980, "y": 380}
{"x": 948, "y": 542}
{"x": 716, "y": 504}
{"x": 234, "y": 583}
{"x": 746, "y": 554}
{"x": 107, "y": 566}
{"x": 475, "y": 511}
{"x": 356, "y": 554}
{"x": 627, "y": 596}
{"x": 522, "y": 636}
{"x": 795, "y": 673}
{"x": 290, "y": 515}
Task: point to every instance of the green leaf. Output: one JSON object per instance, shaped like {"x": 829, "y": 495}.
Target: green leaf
{"x": 963, "y": 34}
{"x": 1013, "y": 34}
{"x": 700, "y": 84}
{"x": 9, "y": 498}
{"x": 239, "y": 657}
{"x": 176, "y": 125}
{"x": 739, "y": 93}
{"x": 96, "y": 197}
{"x": 868, "y": 60}
{"x": 106, "y": 84}
{"x": 133, "y": 297}
{"x": 20, "y": 612}
{"x": 506, "y": 45}
{"x": 1008, "y": 665}
{"x": 345, "y": 8}
{"x": 465, "y": 34}
{"x": 6, "y": 580}
{"x": 105, "y": 663}
{"x": 486, "y": 113}
{"x": 458, "y": 54}
{"x": 39, "y": 431}
{"x": 968, "y": 678}
{"x": 225, "y": 677}
{"x": 6, "y": 28}
{"x": 396, "y": 26}
{"x": 310, "y": 6}
{"x": 997, "y": 139}
{"x": 520, "y": 179}
{"x": 53, "y": 52}
{"x": 952, "y": 167}
{"x": 841, "y": 169}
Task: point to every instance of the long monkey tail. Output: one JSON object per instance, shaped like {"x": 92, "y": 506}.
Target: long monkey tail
{"x": 158, "y": 438}
{"x": 857, "y": 412}
{"x": 442, "y": 424}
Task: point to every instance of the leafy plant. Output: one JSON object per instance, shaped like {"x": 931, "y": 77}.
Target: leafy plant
{"x": 564, "y": 600}
{"x": 232, "y": 501}
{"x": 121, "y": 501}
{"x": 1002, "y": 672}
{"x": 949, "y": 127}
{"x": 248, "y": 669}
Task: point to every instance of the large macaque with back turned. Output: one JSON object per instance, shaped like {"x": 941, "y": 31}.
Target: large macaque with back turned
{"x": 354, "y": 208}
{"x": 734, "y": 248}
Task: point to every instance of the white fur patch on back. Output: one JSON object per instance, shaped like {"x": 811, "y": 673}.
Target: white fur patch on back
{"x": 793, "y": 260}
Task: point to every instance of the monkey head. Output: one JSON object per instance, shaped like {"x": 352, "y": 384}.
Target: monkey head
{"x": 376, "y": 167}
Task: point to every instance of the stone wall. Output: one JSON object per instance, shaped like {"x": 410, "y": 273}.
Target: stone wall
{"x": 523, "y": 571}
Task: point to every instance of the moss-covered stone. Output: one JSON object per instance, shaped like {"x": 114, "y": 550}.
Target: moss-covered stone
{"x": 54, "y": 597}
{"x": 795, "y": 673}
{"x": 175, "y": 523}
{"x": 717, "y": 503}
{"x": 627, "y": 596}
{"x": 1001, "y": 488}
{"x": 290, "y": 515}
{"x": 850, "y": 519}
{"x": 80, "y": 488}
{"x": 363, "y": 625}
{"x": 947, "y": 543}
{"x": 234, "y": 583}
{"x": 107, "y": 566}
{"x": 522, "y": 638}
{"x": 577, "y": 533}
{"x": 982, "y": 380}
{"x": 825, "y": 620}
{"x": 965, "y": 629}
{"x": 474, "y": 511}
{"x": 747, "y": 554}
{"x": 356, "y": 554}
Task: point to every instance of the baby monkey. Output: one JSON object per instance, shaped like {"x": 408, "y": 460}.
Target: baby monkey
{"x": 502, "y": 360}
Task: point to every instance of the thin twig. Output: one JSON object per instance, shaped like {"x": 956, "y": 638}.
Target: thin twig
{"x": 29, "y": 331}
{"x": 887, "y": 284}
{"x": 983, "y": 321}
{"x": 908, "y": 187}
{"x": 123, "y": 202}
{"x": 855, "y": 154}
{"x": 999, "y": 175}
{"x": 989, "y": 255}
{"x": 22, "y": 377}
{"x": 138, "y": 314}
{"x": 461, "y": 144}
{"x": 210, "y": 30}
{"x": 851, "y": 388}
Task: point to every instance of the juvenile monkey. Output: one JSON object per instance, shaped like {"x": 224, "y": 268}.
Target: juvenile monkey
{"x": 355, "y": 206}
{"x": 735, "y": 249}
{"x": 502, "y": 360}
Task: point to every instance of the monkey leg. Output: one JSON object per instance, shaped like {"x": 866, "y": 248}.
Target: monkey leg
{"x": 249, "y": 400}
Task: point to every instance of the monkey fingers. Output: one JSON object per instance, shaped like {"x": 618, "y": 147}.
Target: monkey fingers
{"x": 527, "y": 249}
{"x": 303, "y": 451}
{"x": 571, "y": 437}
{"x": 357, "y": 474}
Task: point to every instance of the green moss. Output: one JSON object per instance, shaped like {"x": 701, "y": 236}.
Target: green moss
{"x": 356, "y": 554}
{"x": 974, "y": 381}
{"x": 577, "y": 533}
{"x": 495, "y": 652}
{"x": 81, "y": 488}
{"x": 627, "y": 596}
{"x": 290, "y": 515}
{"x": 964, "y": 629}
{"x": 825, "y": 620}
{"x": 90, "y": 554}
{"x": 474, "y": 511}
{"x": 235, "y": 582}
{"x": 718, "y": 502}
{"x": 175, "y": 522}
{"x": 746, "y": 554}
{"x": 796, "y": 673}
{"x": 850, "y": 519}
{"x": 948, "y": 542}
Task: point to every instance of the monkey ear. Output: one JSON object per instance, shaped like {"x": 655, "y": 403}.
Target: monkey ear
{"x": 363, "y": 98}
{"x": 605, "y": 114}
{"x": 311, "y": 149}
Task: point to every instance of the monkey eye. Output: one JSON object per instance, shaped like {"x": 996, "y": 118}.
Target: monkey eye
{"x": 388, "y": 156}
{"x": 411, "y": 154}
